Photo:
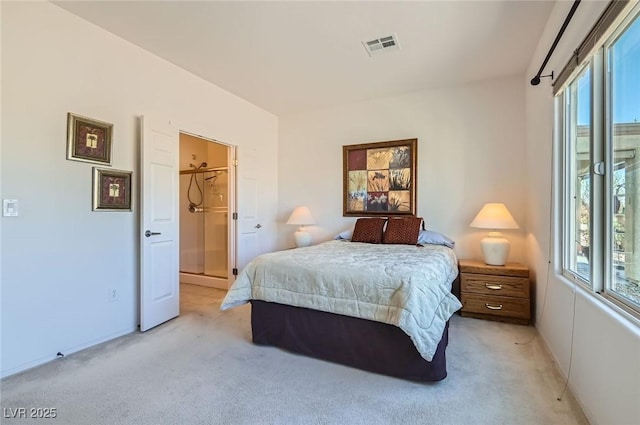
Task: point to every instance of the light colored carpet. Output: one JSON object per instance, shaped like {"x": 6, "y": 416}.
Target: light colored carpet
{"x": 202, "y": 368}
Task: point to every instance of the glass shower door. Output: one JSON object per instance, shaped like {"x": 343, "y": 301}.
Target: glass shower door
{"x": 216, "y": 219}
{"x": 204, "y": 219}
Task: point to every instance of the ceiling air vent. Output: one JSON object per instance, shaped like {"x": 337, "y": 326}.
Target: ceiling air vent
{"x": 381, "y": 44}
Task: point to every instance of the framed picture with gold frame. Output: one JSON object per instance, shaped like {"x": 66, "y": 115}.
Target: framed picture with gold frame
{"x": 88, "y": 139}
{"x": 379, "y": 179}
{"x": 111, "y": 190}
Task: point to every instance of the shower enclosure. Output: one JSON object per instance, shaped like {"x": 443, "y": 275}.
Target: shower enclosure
{"x": 204, "y": 213}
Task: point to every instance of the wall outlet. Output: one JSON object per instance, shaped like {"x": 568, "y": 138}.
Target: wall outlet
{"x": 113, "y": 294}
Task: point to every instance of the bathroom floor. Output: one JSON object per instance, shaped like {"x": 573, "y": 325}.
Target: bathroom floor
{"x": 196, "y": 298}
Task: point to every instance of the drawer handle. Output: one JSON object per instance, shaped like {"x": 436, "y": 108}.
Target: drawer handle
{"x": 494, "y": 287}
{"x": 493, "y": 307}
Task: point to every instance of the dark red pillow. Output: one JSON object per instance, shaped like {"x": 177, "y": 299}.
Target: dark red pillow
{"x": 403, "y": 230}
{"x": 368, "y": 230}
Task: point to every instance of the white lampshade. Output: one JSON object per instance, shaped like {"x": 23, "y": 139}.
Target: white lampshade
{"x": 495, "y": 247}
{"x": 301, "y": 216}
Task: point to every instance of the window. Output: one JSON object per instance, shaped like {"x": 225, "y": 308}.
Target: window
{"x": 623, "y": 241}
{"x": 578, "y": 177}
{"x": 600, "y": 118}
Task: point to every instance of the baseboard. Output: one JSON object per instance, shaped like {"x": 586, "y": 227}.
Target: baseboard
{"x": 69, "y": 350}
{"x": 208, "y": 281}
{"x": 556, "y": 365}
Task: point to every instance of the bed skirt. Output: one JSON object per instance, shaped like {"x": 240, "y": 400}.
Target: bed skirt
{"x": 360, "y": 343}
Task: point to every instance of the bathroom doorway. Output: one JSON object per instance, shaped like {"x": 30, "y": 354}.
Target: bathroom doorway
{"x": 206, "y": 189}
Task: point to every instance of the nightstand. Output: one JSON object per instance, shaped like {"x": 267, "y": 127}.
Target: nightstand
{"x": 495, "y": 292}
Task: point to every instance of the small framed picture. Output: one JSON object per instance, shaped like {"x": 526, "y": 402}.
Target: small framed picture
{"x": 88, "y": 140}
{"x": 111, "y": 190}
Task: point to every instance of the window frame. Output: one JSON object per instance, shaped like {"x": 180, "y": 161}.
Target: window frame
{"x": 601, "y": 278}
{"x": 609, "y": 157}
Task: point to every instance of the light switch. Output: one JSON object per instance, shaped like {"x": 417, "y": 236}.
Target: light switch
{"x": 10, "y": 207}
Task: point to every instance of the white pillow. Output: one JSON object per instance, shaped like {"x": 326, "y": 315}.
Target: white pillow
{"x": 434, "y": 238}
{"x": 346, "y": 235}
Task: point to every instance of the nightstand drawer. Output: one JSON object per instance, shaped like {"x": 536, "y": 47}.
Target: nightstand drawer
{"x": 496, "y": 306}
{"x": 495, "y": 285}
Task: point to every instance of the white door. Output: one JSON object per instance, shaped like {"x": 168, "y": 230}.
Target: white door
{"x": 248, "y": 225}
{"x": 159, "y": 222}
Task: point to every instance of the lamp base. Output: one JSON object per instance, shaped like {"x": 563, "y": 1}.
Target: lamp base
{"x": 495, "y": 249}
{"x": 302, "y": 238}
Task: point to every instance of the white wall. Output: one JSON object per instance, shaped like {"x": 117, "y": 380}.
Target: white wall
{"x": 58, "y": 257}
{"x": 605, "y": 370}
{"x": 470, "y": 151}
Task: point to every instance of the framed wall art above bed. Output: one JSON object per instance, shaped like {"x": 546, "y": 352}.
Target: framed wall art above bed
{"x": 379, "y": 179}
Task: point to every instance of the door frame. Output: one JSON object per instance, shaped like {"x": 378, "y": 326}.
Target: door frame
{"x": 231, "y": 222}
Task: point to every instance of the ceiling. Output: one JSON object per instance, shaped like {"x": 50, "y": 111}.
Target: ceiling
{"x": 291, "y": 57}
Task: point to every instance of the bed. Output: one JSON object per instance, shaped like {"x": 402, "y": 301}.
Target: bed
{"x": 379, "y": 307}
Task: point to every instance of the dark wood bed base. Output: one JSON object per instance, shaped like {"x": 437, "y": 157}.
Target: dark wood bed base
{"x": 364, "y": 344}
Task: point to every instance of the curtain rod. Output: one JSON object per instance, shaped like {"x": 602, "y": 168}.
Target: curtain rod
{"x": 536, "y": 80}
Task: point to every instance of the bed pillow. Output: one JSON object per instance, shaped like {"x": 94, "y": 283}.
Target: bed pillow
{"x": 403, "y": 230}
{"x": 344, "y": 236}
{"x": 434, "y": 238}
{"x": 368, "y": 230}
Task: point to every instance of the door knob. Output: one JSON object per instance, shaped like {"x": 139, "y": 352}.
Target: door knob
{"x": 150, "y": 233}
{"x": 257, "y": 226}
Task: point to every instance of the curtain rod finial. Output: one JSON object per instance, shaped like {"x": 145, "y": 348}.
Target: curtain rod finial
{"x": 536, "y": 80}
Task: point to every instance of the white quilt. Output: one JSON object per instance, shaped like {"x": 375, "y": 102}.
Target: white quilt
{"x": 403, "y": 285}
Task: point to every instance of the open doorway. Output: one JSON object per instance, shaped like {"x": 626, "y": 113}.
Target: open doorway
{"x": 205, "y": 226}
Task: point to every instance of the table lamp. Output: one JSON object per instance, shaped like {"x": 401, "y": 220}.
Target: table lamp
{"x": 301, "y": 216}
{"x": 495, "y": 247}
